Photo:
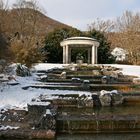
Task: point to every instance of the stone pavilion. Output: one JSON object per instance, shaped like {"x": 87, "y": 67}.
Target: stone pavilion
{"x": 90, "y": 44}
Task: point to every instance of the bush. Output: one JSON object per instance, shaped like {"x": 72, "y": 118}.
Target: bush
{"x": 125, "y": 62}
{"x": 22, "y": 70}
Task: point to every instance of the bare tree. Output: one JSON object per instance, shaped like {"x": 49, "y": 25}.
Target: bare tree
{"x": 25, "y": 16}
{"x": 4, "y": 43}
{"x": 3, "y": 15}
{"x": 128, "y": 22}
{"x": 102, "y": 25}
{"x": 26, "y": 43}
{"x": 128, "y": 27}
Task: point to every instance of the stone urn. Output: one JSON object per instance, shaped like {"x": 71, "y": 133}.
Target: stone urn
{"x": 79, "y": 59}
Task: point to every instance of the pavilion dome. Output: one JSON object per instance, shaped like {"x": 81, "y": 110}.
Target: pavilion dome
{"x": 81, "y": 38}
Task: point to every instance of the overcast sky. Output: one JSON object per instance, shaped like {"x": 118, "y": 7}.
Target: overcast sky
{"x": 80, "y": 13}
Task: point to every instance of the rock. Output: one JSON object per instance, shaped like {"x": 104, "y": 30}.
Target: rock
{"x": 50, "y": 134}
{"x": 1, "y": 68}
{"x": 96, "y": 100}
{"x": 111, "y": 73}
{"x": 105, "y": 98}
{"x": 12, "y": 83}
{"x": 86, "y": 81}
{"x": 110, "y": 98}
{"x": 117, "y": 98}
{"x": 86, "y": 85}
{"x": 80, "y": 103}
{"x": 47, "y": 122}
{"x": 72, "y": 67}
{"x": 22, "y": 70}
{"x": 136, "y": 80}
{"x": 96, "y": 72}
{"x": 85, "y": 101}
{"x": 2, "y": 62}
{"x": 104, "y": 80}
{"x": 114, "y": 74}
{"x": 2, "y": 65}
{"x": 37, "y": 108}
{"x": 76, "y": 80}
{"x": 43, "y": 78}
{"x": 89, "y": 103}
{"x": 63, "y": 75}
{"x": 108, "y": 80}
{"x": 42, "y": 134}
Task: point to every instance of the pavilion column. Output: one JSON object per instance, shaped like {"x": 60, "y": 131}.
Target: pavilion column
{"x": 93, "y": 55}
{"x": 96, "y": 54}
{"x": 67, "y": 54}
{"x": 64, "y": 54}
{"x": 89, "y": 56}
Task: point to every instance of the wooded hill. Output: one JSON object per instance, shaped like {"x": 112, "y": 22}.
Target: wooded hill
{"x": 18, "y": 19}
{"x": 22, "y": 34}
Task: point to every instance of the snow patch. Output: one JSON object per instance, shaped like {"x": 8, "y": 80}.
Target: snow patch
{"x": 39, "y": 103}
{"x": 8, "y": 127}
{"x": 47, "y": 66}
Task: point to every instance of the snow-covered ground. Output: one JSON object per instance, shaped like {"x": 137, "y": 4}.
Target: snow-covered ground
{"x": 47, "y": 66}
{"x": 126, "y": 69}
{"x": 129, "y": 69}
{"x": 16, "y": 97}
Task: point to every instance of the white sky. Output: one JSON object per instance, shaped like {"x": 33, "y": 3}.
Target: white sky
{"x": 80, "y": 13}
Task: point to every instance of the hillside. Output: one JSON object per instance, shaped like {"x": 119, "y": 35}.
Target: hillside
{"x": 21, "y": 20}
{"x": 48, "y": 24}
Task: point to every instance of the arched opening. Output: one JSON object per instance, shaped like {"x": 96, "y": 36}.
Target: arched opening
{"x": 79, "y": 54}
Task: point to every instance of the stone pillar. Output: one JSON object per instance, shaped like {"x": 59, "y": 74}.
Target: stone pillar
{"x": 93, "y": 55}
{"x": 67, "y": 54}
{"x": 89, "y": 56}
{"x": 64, "y": 54}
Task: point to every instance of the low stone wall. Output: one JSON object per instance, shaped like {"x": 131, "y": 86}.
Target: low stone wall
{"x": 94, "y": 124}
{"x": 27, "y": 134}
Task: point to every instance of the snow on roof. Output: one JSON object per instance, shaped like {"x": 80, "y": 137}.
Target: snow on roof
{"x": 81, "y": 38}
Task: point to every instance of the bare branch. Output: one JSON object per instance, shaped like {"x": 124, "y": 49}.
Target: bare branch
{"x": 101, "y": 25}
